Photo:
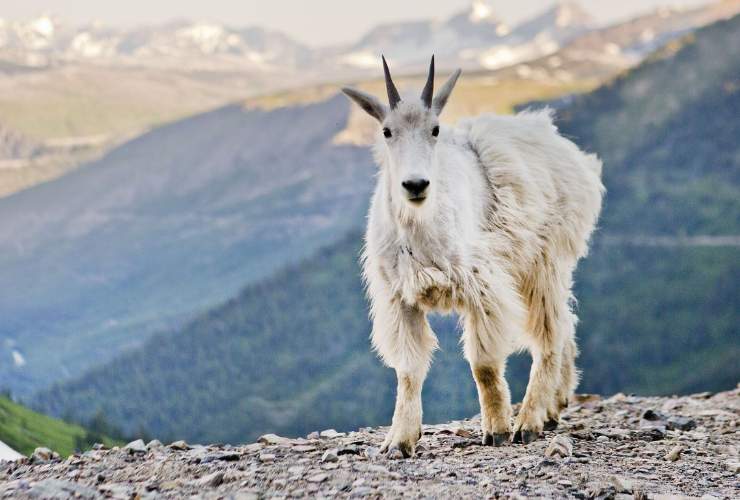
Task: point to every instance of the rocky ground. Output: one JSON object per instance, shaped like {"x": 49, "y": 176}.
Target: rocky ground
{"x": 623, "y": 446}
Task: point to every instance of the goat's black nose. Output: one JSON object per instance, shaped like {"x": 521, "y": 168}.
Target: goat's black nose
{"x": 415, "y": 186}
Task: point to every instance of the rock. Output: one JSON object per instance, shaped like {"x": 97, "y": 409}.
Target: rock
{"x": 304, "y": 448}
{"x": 273, "y": 439}
{"x": 463, "y": 433}
{"x": 732, "y": 465}
{"x": 313, "y": 435}
{"x": 267, "y": 457}
{"x": 331, "y": 434}
{"x": 603, "y": 439}
{"x": 652, "y": 416}
{"x": 680, "y": 424}
{"x": 57, "y": 488}
{"x": 179, "y": 445}
{"x": 211, "y": 480}
{"x": 330, "y": 455}
{"x": 317, "y": 478}
{"x": 154, "y": 444}
{"x": 137, "y": 446}
{"x": 116, "y": 490}
{"x": 674, "y": 454}
{"x": 42, "y": 454}
{"x": 559, "y": 446}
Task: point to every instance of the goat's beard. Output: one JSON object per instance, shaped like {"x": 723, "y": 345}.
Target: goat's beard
{"x": 410, "y": 214}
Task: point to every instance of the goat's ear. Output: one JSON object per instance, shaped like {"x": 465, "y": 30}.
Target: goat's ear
{"x": 370, "y": 104}
{"x": 440, "y": 99}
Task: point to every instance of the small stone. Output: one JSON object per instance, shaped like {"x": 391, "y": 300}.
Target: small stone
{"x": 371, "y": 452}
{"x": 296, "y": 470}
{"x": 317, "y": 478}
{"x": 330, "y": 434}
{"x": 169, "y": 485}
{"x": 681, "y": 424}
{"x": 732, "y": 466}
{"x": 330, "y": 455}
{"x": 42, "y": 454}
{"x": 362, "y": 491}
{"x": 463, "y": 433}
{"x": 154, "y": 444}
{"x": 559, "y": 446}
{"x": 137, "y": 446}
{"x": 267, "y": 457}
{"x": 211, "y": 480}
{"x": 273, "y": 439}
{"x": 313, "y": 435}
{"x": 180, "y": 445}
{"x": 674, "y": 454}
{"x": 602, "y": 439}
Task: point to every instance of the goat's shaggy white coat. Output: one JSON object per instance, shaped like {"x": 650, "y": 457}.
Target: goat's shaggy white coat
{"x": 508, "y": 213}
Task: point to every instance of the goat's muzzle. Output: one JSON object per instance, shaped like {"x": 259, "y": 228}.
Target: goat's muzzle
{"x": 416, "y": 189}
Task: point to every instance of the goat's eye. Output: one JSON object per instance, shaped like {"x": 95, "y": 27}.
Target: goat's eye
{"x": 435, "y": 131}
{"x": 387, "y": 132}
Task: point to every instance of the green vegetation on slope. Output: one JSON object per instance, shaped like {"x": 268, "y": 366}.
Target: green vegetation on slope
{"x": 24, "y": 430}
{"x": 657, "y": 315}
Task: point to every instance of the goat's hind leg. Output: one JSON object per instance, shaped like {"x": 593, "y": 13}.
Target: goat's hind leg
{"x": 550, "y": 326}
{"x": 569, "y": 376}
{"x": 405, "y": 341}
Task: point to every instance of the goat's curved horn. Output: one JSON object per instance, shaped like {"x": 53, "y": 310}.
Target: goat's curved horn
{"x": 393, "y": 97}
{"x": 428, "y": 93}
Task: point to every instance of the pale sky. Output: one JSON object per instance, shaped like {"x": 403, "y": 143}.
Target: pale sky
{"x": 316, "y": 22}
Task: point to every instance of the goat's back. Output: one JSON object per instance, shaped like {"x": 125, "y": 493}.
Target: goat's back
{"x": 549, "y": 191}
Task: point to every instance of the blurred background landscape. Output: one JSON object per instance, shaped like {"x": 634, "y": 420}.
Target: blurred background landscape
{"x": 182, "y": 204}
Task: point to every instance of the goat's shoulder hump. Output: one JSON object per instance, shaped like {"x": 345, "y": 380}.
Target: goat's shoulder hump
{"x": 523, "y": 124}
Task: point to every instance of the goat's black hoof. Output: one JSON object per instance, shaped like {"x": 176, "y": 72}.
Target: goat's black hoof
{"x": 551, "y": 424}
{"x": 402, "y": 450}
{"x": 496, "y": 439}
{"x": 525, "y": 437}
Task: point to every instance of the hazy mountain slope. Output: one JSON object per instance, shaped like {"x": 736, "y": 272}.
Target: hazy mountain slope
{"x": 172, "y": 222}
{"x": 668, "y": 131}
{"x": 658, "y": 306}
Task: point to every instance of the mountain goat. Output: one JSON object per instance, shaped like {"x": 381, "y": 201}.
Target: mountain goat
{"x": 488, "y": 219}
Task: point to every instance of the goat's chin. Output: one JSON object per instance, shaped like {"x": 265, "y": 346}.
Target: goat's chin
{"x": 413, "y": 211}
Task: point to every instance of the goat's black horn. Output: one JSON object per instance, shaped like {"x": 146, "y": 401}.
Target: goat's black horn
{"x": 393, "y": 97}
{"x": 428, "y": 93}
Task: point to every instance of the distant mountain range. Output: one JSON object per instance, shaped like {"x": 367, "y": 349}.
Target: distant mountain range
{"x": 77, "y": 91}
{"x": 658, "y": 296}
{"x": 473, "y": 38}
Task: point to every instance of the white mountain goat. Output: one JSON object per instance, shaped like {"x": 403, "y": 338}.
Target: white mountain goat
{"x": 488, "y": 219}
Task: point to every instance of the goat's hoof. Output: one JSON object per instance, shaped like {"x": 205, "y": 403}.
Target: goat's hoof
{"x": 551, "y": 424}
{"x": 399, "y": 451}
{"x": 525, "y": 437}
{"x": 496, "y": 439}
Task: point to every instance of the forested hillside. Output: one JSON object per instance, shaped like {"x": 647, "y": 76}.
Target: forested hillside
{"x": 25, "y": 430}
{"x": 658, "y": 296}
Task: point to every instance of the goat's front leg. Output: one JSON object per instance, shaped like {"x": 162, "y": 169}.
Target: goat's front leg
{"x": 403, "y": 338}
{"x": 485, "y": 348}
{"x": 405, "y": 430}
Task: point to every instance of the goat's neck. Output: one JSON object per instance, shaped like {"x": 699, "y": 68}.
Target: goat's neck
{"x": 427, "y": 231}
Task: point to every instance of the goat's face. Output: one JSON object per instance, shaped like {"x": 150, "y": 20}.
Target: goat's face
{"x": 410, "y": 134}
{"x": 410, "y": 130}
